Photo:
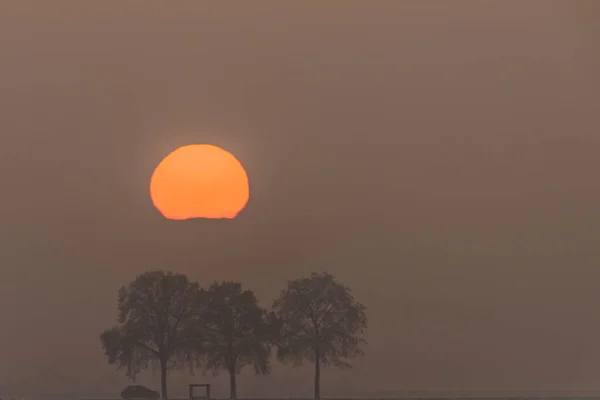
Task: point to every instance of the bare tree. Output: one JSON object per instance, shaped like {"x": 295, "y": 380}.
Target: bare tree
{"x": 320, "y": 321}
{"x": 155, "y": 325}
{"x": 235, "y": 331}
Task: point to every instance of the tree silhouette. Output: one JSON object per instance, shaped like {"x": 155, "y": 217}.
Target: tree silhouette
{"x": 320, "y": 321}
{"x": 155, "y": 325}
{"x": 235, "y": 331}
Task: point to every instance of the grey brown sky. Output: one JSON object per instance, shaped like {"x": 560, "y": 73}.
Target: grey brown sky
{"x": 439, "y": 157}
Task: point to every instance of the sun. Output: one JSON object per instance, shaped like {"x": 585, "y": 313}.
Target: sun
{"x": 199, "y": 181}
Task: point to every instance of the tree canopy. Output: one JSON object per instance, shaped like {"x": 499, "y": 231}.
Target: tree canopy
{"x": 235, "y": 331}
{"x": 166, "y": 320}
{"x": 155, "y": 325}
{"x": 319, "y": 321}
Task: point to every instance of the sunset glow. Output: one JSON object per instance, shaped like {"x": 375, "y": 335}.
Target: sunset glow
{"x": 199, "y": 181}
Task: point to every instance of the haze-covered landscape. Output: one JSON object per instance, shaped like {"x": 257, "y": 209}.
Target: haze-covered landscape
{"x": 439, "y": 159}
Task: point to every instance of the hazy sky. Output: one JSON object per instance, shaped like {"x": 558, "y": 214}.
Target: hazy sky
{"x": 441, "y": 158}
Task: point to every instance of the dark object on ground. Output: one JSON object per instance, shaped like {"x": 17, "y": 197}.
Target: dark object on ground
{"x": 138, "y": 392}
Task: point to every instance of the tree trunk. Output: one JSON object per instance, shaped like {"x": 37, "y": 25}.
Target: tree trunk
{"x": 232, "y": 384}
{"x": 317, "y": 374}
{"x": 163, "y": 379}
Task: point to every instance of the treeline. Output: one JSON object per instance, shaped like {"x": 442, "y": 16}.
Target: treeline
{"x": 167, "y": 320}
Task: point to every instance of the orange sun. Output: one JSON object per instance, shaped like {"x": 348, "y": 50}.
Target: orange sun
{"x": 199, "y": 181}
